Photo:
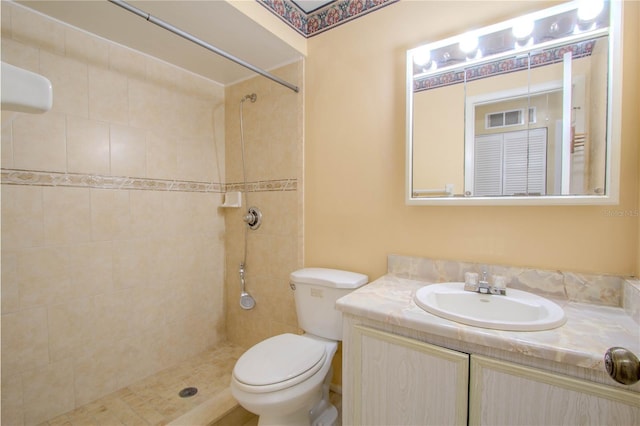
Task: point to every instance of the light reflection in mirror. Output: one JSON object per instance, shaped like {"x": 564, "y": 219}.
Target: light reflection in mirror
{"x": 554, "y": 69}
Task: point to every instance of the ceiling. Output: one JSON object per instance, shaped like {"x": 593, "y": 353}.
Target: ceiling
{"x": 310, "y": 6}
{"x": 215, "y": 22}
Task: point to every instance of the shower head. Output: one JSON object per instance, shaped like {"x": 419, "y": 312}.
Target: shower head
{"x": 252, "y": 97}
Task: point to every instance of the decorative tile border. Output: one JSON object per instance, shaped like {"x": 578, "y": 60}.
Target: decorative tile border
{"x": 324, "y": 18}
{"x": 37, "y": 178}
{"x": 608, "y": 290}
{"x": 504, "y": 66}
{"x": 265, "y": 186}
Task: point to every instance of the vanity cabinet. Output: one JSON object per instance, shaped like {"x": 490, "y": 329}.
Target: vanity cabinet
{"x": 394, "y": 380}
{"x": 503, "y": 393}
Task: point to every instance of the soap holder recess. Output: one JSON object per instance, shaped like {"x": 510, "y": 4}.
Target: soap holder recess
{"x": 232, "y": 199}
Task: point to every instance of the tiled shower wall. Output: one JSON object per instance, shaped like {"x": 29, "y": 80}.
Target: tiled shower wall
{"x": 112, "y": 235}
{"x": 273, "y": 155}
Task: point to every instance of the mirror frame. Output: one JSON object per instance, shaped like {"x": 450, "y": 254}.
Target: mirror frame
{"x": 613, "y": 142}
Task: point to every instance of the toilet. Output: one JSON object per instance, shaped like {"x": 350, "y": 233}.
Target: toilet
{"x": 285, "y": 379}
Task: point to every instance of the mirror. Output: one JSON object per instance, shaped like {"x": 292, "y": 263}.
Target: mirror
{"x": 522, "y": 112}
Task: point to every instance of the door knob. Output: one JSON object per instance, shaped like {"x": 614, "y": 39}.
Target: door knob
{"x": 622, "y": 365}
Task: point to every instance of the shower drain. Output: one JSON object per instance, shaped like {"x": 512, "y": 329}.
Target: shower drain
{"x": 188, "y": 392}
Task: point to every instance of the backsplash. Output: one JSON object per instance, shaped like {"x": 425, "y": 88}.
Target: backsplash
{"x": 631, "y": 299}
{"x": 608, "y": 290}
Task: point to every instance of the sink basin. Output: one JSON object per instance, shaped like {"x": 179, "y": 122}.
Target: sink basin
{"x": 517, "y": 311}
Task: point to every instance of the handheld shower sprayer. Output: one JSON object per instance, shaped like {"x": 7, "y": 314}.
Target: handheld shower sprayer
{"x": 246, "y": 300}
{"x": 252, "y": 218}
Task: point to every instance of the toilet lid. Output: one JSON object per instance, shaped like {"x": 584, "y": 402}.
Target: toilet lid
{"x": 287, "y": 359}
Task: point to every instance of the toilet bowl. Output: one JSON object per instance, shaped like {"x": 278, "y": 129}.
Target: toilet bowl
{"x": 285, "y": 379}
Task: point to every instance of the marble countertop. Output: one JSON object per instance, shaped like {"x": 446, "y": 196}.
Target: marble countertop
{"x": 582, "y": 341}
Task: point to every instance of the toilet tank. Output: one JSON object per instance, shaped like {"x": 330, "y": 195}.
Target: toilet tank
{"x": 316, "y": 291}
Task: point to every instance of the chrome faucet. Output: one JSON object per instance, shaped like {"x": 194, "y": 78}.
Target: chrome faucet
{"x": 483, "y": 284}
{"x": 499, "y": 286}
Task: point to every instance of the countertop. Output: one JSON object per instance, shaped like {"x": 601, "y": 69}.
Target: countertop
{"x": 582, "y": 341}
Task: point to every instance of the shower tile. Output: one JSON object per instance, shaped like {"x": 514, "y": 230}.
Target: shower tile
{"x": 130, "y": 263}
{"x": 85, "y": 47}
{"x": 91, "y": 266}
{"x": 150, "y": 307}
{"x": 140, "y": 357}
{"x": 39, "y": 142}
{"x": 110, "y": 215}
{"x": 96, "y": 369}
{"x": 48, "y": 392}
{"x": 151, "y": 107}
{"x": 70, "y": 327}
{"x": 108, "y": 96}
{"x": 87, "y": 146}
{"x": 24, "y": 340}
{"x": 128, "y": 151}
{"x": 162, "y": 156}
{"x": 163, "y": 74}
{"x": 122, "y": 412}
{"x": 10, "y": 292}
{"x": 195, "y": 117}
{"x": 163, "y": 260}
{"x": 11, "y": 399}
{"x": 112, "y": 314}
{"x": 177, "y": 208}
{"x": 147, "y": 217}
{"x": 67, "y": 215}
{"x": 199, "y": 87}
{"x": 6, "y": 141}
{"x": 194, "y": 159}
{"x": 20, "y": 54}
{"x": 44, "y": 276}
{"x": 127, "y": 61}
{"x": 35, "y": 29}
{"x": 283, "y": 259}
{"x": 5, "y": 16}
{"x": 22, "y": 217}
{"x": 113, "y": 272}
{"x": 70, "y": 81}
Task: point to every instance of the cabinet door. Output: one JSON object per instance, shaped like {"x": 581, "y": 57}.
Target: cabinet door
{"x": 502, "y": 393}
{"x": 401, "y": 381}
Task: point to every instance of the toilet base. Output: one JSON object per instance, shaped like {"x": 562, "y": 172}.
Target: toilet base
{"x": 293, "y": 419}
{"x": 323, "y": 412}
{"x": 327, "y": 417}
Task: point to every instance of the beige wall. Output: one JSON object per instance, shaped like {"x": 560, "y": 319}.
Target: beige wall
{"x": 355, "y": 213}
{"x": 438, "y": 122}
{"x": 273, "y": 156}
{"x": 633, "y": 126}
{"x": 102, "y": 286}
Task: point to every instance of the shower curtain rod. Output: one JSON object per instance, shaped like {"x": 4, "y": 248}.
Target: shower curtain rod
{"x": 185, "y": 35}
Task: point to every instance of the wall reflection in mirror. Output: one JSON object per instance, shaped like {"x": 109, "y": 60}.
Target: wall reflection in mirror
{"x": 517, "y": 110}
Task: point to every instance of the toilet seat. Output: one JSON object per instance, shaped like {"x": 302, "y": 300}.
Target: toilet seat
{"x": 279, "y": 362}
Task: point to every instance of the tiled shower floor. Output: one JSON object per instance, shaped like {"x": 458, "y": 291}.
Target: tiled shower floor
{"x": 155, "y": 400}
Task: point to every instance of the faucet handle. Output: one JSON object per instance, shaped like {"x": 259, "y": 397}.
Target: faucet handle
{"x": 470, "y": 281}
{"x": 499, "y": 285}
{"x": 500, "y": 281}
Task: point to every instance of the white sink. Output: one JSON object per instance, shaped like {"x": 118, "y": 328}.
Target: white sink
{"x": 517, "y": 311}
